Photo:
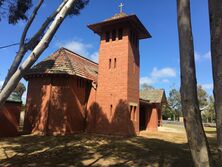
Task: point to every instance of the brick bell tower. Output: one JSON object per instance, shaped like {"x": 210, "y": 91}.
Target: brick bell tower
{"x": 117, "y": 91}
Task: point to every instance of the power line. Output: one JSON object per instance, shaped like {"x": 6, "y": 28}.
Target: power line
{"x": 7, "y": 46}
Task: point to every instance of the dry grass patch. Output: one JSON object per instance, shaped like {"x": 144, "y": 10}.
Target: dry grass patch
{"x": 163, "y": 149}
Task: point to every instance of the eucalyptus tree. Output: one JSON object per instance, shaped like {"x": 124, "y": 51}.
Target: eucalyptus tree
{"x": 215, "y": 13}
{"x": 192, "y": 117}
{"x": 17, "y": 10}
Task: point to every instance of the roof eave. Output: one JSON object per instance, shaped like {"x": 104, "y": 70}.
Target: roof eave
{"x": 133, "y": 19}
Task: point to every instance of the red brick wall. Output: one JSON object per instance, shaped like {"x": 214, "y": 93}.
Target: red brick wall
{"x": 55, "y": 106}
{"x": 117, "y": 87}
{"x": 152, "y": 115}
{"x": 133, "y": 79}
{"x": 9, "y": 119}
{"x": 153, "y": 119}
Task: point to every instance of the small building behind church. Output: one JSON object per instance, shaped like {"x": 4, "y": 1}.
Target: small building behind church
{"x": 68, "y": 93}
{"x": 151, "y": 104}
{"x": 10, "y": 115}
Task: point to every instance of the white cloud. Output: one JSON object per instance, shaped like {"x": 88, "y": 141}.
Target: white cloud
{"x": 159, "y": 75}
{"x": 94, "y": 57}
{"x": 77, "y": 46}
{"x": 81, "y": 48}
{"x": 163, "y": 73}
{"x": 197, "y": 56}
{"x": 201, "y": 57}
{"x": 207, "y": 55}
{"x": 165, "y": 81}
{"x": 147, "y": 80}
{"x": 207, "y": 86}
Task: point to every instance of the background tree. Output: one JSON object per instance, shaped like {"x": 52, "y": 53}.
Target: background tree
{"x": 192, "y": 118}
{"x": 211, "y": 109}
{"x": 215, "y": 13}
{"x": 38, "y": 42}
{"x": 174, "y": 102}
{"x": 20, "y": 89}
{"x": 146, "y": 87}
{"x": 206, "y": 104}
{"x": 202, "y": 97}
{"x": 167, "y": 113}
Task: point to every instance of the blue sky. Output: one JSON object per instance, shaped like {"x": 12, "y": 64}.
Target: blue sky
{"x": 159, "y": 55}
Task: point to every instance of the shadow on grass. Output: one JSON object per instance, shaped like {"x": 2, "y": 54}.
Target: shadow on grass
{"x": 93, "y": 150}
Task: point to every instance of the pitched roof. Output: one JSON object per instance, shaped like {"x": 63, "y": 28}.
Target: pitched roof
{"x": 153, "y": 95}
{"x": 118, "y": 18}
{"x": 64, "y": 61}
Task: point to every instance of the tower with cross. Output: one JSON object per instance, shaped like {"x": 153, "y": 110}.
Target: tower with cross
{"x": 121, "y": 7}
{"x": 117, "y": 94}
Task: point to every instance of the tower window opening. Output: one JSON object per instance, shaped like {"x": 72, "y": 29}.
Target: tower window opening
{"x": 107, "y": 36}
{"x": 113, "y": 35}
{"x": 134, "y": 113}
{"x": 111, "y": 110}
{"x": 120, "y": 34}
{"x": 137, "y": 43}
{"x": 131, "y": 36}
{"x": 131, "y": 113}
{"x": 110, "y": 63}
{"x": 135, "y": 39}
{"x": 115, "y": 63}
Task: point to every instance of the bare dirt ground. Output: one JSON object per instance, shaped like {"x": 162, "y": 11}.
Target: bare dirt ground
{"x": 166, "y": 148}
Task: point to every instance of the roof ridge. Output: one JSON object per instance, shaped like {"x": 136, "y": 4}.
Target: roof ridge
{"x": 70, "y": 63}
{"x": 80, "y": 56}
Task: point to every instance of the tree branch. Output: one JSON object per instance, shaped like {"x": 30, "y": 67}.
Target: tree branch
{"x": 30, "y": 21}
{"x": 33, "y": 41}
{"x": 37, "y": 51}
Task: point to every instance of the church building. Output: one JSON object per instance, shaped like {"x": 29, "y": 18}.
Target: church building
{"x": 68, "y": 93}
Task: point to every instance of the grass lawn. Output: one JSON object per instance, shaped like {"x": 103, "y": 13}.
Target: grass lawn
{"x": 163, "y": 148}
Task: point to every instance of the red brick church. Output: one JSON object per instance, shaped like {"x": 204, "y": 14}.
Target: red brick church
{"x": 68, "y": 93}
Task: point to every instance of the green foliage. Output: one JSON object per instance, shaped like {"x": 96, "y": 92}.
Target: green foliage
{"x": 80, "y": 4}
{"x": 208, "y": 114}
{"x": 202, "y": 97}
{"x": 167, "y": 112}
{"x": 16, "y": 10}
{"x": 174, "y": 102}
{"x": 206, "y": 104}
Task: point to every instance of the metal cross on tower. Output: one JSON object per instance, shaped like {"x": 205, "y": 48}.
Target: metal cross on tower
{"x": 121, "y": 7}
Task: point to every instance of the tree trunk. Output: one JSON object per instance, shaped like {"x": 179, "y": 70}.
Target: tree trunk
{"x": 37, "y": 51}
{"x": 15, "y": 64}
{"x": 192, "y": 117}
{"x": 215, "y": 13}
{"x": 24, "y": 47}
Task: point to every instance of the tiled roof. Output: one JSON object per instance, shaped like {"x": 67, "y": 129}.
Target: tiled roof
{"x": 132, "y": 20}
{"x": 14, "y": 97}
{"x": 65, "y": 61}
{"x": 153, "y": 95}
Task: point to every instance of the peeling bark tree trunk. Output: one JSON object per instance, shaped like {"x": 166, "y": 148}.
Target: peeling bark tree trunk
{"x": 195, "y": 133}
{"x": 37, "y": 51}
{"x": 215, "y": 13}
